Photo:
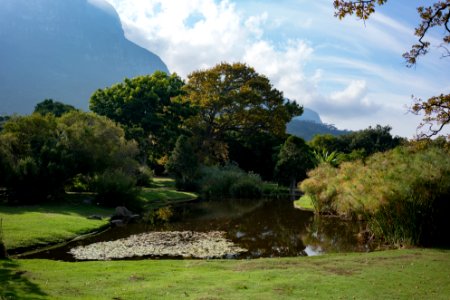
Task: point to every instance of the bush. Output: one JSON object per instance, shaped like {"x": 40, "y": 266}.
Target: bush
{"x": 115, "y": 188}
{"x": 246, "y": 188}
{"x": 183, "y": 164}
{"x": 144, "y": 176}
{"x": 273, "y": 190}
{"x": 402, "y": 193}
{"x": 80, "y": 184}
{"x": 229, "y": 181}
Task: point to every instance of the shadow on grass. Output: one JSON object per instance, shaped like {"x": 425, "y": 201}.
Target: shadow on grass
{"x": 15, "y": 284}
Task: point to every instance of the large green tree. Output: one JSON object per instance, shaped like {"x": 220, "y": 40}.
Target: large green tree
{"x": 295, "y": 159}
{"x": 234, "y": 99}
{"x": 436, "y": 110}
{"x": 41, "y": 154}
{"x": 30, "y": 164}
{"x": 49, "y": 106}
{"x": 95, "y": 143}
{"x": 183, "y": 164}
{"x": 148, "y": 109}
{"x": 358, "y": 144}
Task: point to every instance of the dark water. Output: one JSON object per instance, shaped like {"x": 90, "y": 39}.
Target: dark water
{"x": 270, "y": 228}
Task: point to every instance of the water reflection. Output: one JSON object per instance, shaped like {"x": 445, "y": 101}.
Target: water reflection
{"x": 270, "y": 228}
{"x": 328, "y": 234}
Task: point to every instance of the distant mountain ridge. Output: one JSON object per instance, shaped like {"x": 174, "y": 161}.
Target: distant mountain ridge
{"x": 309, "y": 124}
{"x": 65, "y": 50}
{"x": 309, "y": 115}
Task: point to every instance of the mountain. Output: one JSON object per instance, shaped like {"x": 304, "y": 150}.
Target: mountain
{"x": 309, "y": 124}
{"x": 309, "y": 115}
{"x": 64, "y": 50}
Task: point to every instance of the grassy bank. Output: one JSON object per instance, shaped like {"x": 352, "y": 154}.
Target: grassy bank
{"x": 162, "y": 193}
{"x": 397, "y": 274}
{"x": 304, "y": 203}
{"x": 26, "y": 226}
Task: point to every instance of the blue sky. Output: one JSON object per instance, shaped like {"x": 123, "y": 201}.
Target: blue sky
{"x": 352, "y": 73}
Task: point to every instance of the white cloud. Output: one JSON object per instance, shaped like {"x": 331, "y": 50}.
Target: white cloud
{"x": 221, "y": 34}
{"x": 350, "y": 73}
{"x": 352, "y": 102}
{"x": 165, "y": 27}
{"x": 284, "y": 66}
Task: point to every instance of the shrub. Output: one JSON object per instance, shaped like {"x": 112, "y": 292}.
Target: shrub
{"x": 246, "y": 188}
{"x": 144, "y": 176}
{"x": 402, "y": 193}
{"x": 80, "y": 183}
{"x": 229, "y": 181}
{"x": 273, "y": 190}
{"x": 115, "y": 188}
{"x": 183, "y": 164}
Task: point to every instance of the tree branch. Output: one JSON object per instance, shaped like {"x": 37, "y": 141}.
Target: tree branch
{"x": 431, "y": 16}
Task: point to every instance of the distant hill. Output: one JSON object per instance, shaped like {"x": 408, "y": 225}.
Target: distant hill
{"x": 309, "y": 124}
{"x": 309, "y": 115}
{"x": 64, "y": 50}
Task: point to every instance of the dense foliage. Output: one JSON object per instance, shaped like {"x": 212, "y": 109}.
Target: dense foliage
{"x": 403, "y": 193}
{"x": 255, "y": 153}
{"x": 49, "y": 106}
{"x": 294, "y": 160}
{"x": 43, "y": 154}
{"x": 233, "y": 100}
{"x": 147, "y": 108}
{"x": 229, "y": 181}
{"x": 358, "y": 144}
{"x": 183, "y": 164}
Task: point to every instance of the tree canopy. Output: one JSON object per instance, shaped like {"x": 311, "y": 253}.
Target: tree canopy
{"x": 41, "y": 154}
{"x": 49, "y": 106}
{"x": 436, "y": 109}
{"x": 358, "y": 144}
{"x": 234, "y": 98}
{"x": 183, "y": 163}
{"x": 294, "y": 161}
{"x": 147, "y": 108}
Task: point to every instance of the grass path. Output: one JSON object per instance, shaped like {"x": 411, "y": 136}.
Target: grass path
{"x": 397, "y": 274}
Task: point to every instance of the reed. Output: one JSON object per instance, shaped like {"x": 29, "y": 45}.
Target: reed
{"x": 401, "y": 193}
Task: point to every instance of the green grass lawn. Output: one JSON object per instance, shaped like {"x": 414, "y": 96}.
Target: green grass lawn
{"x": 25, "y": 226}
{"x": 397, "y": 274}
{"x": 162, "y": 193}
{"x": 304, "y": 203}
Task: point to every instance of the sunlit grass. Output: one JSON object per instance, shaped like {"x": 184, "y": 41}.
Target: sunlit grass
{"x": 400, "y": 274}
{"x": 305, "y": 202}
{"x": 162, "y": 193}
{"x": 25, "y": 226}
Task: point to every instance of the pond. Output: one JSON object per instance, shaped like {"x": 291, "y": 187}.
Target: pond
{"x": 264, "y": 228}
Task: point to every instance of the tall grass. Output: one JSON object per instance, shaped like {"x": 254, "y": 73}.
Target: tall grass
{"x": 402, "y": 193}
